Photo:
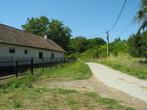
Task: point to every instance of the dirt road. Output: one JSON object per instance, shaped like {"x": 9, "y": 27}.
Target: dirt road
{"x": 120, "y": 81}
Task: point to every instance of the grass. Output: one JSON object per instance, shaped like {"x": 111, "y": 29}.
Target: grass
{"x": 19, "y": 94}
{"x": 75, "y": 71}
{"x": 127, "y": 64}
{"x": 56, "y": 99}
{"x": 71, "y": 71}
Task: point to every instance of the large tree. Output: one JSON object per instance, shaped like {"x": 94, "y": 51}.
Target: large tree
{"x": 118, "y": 46}
{"x": 81, "y": 44}
{"x": 78, "y": 44}
{"x": 138, "y": 45}
{"x": 142, "y": 15}
{"x": 37, "y": 26}
{"x": 96, "y": 42}
{"x": 59, "y": 33}
{"x": 54, "y": 29}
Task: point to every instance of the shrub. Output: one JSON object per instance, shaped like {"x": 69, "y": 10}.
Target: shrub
{"x": 138, "y": 45}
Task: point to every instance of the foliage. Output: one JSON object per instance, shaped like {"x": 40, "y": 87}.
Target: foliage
{"x": 73, "y": 56}
{"x": 37, "y": 26}
{"x": 138, "y": 45}
{"x": 81, "y": 44}
{"x": 102, "y": 51}
{"x": 76, "y": 70}
{"x": 95, "y": 42}
{"x": 59, "y": 33}
{"x": 54, "y": 29}
{"x": 142, "y": 15}
{"x": 78, "y": 44}
{"x": 118, "y": 46}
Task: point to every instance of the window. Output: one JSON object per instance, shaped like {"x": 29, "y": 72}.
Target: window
{"x": 25, "y": 51}
{"x": 11, "y": 50}
{"x": 52, "y": 55}
{"x": 40, "y": 55}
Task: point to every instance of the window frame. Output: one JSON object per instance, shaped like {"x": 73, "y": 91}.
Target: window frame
{"x": 12, "y": 50}
{"x": 25, "y": 51}
{"x": 40, "y": 55}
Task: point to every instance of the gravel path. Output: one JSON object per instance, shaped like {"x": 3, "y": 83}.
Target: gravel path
{"x": 120, "y": 81}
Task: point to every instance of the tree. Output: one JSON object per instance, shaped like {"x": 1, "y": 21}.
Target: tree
{"x": 78, "y": 44}
{"x": 95, "y": 42}
{"x": 138, "y": 45}
{"x": 59, "y": 33}
{"x": 37, "y": 26}
{"x": 54, "y": 29}
{"x": 142, "y": 15}
{"x": 81, "y": 44}
{"x": 118, "y": 46}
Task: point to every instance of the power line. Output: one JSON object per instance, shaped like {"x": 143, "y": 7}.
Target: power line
{"x": 101, "y": 33}
{"x": 123, "y": 7}
{"x": 127, "y": 26}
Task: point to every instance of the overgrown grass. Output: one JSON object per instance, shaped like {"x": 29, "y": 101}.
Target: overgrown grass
{"x": 127, "y": 64}
{"x": 19, "y": 94}
{"x": 72, "y": 71}
{"x": 56, "y": 99}
{"x": 76, "y": 70}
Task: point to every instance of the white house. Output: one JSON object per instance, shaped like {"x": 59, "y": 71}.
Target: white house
{"x": 18, "y": 44}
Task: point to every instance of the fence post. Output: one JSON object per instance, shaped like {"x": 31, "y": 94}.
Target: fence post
{"x": 32, "y": 66}
{"x": 16, "y": 69}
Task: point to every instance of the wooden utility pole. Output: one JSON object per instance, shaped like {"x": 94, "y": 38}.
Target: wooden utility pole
{"x": 107, "y": 43}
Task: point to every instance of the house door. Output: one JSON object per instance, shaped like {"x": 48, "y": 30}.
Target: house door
{"x": 40, "y": 55}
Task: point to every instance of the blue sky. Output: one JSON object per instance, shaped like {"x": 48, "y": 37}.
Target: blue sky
{"x": 85, "y": 17}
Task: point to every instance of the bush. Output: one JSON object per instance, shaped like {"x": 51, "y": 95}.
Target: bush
{"x": 118, "y": 46}
{"x": 102, "y": 51}
{"x": 138, "y": 45}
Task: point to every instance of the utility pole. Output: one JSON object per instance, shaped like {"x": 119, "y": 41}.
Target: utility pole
{"x": 107, "y": 43}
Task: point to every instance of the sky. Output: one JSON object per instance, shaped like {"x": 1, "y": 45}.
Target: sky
{"x": 88, "y": 18}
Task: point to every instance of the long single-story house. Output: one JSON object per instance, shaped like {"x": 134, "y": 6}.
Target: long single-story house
{"x": 18, "y": 44}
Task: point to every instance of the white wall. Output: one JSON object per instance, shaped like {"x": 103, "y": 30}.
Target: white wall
{"x": 19, "y": 52}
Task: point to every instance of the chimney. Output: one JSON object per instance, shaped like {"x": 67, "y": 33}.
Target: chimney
{"x": 45, "y": 37}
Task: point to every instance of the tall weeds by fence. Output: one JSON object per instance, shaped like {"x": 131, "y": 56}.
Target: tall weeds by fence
{"x": 13, "y": 66}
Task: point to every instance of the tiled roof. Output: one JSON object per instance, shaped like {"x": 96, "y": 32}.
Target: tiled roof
{"x": 15, "y": 36}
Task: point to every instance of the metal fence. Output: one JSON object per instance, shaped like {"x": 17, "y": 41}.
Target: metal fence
{"x": 9, "y": 66}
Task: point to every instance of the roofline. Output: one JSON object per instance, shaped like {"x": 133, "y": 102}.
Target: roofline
{"x": 32, "y": 47}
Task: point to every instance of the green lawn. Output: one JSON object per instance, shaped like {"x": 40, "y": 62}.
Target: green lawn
{"x": 19, "y": 94}
{"x": 127, "y": 64}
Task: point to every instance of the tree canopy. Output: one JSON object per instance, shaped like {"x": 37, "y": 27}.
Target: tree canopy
{"x": 138, "y": 45}
{"x": 54, "y": 29}
{"x": 38, "y": 26}
{"x": 59, "y": 33}
{"x": 142, "y": 15}
{"x": 81, "y": 44}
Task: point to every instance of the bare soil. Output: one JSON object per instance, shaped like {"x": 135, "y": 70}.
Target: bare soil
{"x": 93, "y": 85}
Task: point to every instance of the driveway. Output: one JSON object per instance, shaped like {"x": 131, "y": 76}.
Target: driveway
{"x": 120, "y": 81}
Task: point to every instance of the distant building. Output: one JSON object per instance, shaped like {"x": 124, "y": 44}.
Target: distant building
{"x": 18, "y": 44}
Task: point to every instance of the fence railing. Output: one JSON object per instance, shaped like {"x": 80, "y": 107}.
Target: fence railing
{"x": 14, "y": 66}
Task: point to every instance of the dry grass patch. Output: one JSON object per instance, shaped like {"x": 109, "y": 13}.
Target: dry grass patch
{"x": 127, "y": 64}
{"x": 56, "y": 99}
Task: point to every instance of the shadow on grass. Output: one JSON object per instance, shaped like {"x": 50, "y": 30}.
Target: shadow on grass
{"x": 143, "y": 62}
